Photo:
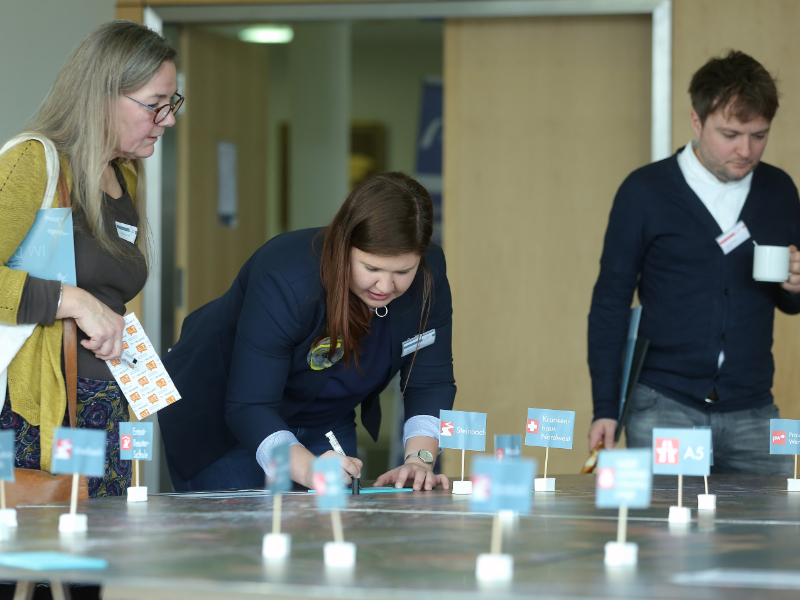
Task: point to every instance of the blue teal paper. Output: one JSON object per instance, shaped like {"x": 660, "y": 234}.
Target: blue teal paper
{"x": 550, "y": 428}
{"x": 79, "y": 451}
{"x": 462, "y": 430}
{"x": 7, "y": 455}
{"x": 136, "y": 441}
{"x": 280, "y": 479}
{"x": 48, "y": 251}
{"x": 329, "y": 483}
{"x": 50, "y": 561}
{"x": 784, "y": 436}
{"x": 711, "y": 447}
{"x": 508, "y": 448}
{"x": 681, "y": 451}
{"x": 502, "y": 485}
{"x": 624, "y": 477}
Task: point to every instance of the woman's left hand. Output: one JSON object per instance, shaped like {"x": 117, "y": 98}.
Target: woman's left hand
{"x": 413, "y": 474}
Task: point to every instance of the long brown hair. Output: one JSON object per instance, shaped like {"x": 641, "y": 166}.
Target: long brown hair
{"x": 387, "y": 215}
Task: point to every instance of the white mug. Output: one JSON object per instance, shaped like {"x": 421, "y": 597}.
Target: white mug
{"x": 771, "y": 263}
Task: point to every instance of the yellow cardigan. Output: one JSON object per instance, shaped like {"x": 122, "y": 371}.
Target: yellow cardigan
{"x": 35, "y": 380}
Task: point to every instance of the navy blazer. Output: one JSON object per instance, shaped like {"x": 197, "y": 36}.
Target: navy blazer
{"x": 241, "y": 362}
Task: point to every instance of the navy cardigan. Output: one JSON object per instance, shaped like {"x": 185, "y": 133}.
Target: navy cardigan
{"x": 696, "y": 301}
{"x": 241, "y": 362}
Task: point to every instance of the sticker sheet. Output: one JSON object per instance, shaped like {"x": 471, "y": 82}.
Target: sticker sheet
{"x": 142, "y": 376}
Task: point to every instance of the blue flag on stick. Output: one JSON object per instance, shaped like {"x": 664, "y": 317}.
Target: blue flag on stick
{"x": 136, "y": 441}
{"x": 501, "y": 485}
{"x": 681, "y": 451}
{"x": 79, "y": 451}
{"x": 462, "y": 430}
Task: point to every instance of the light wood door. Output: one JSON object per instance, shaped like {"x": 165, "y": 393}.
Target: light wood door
{"x": 226, "y": 101}
{"x": 544, "y": 118}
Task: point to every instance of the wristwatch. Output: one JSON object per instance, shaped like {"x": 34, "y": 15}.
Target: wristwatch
{"x": 423, "y": 455}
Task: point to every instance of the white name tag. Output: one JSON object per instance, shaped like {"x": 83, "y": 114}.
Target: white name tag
{"x": 733, "y": 238}
{"x": 419, "y": 341}
{"x": 127, "y": 232}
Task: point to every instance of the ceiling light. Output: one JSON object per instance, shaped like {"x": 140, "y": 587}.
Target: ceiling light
{"x": 267, "y": 34}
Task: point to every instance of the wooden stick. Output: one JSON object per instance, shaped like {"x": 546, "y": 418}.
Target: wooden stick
{"x": 795, "y": 469}
{"x": 336, "y": 521}
{"x": 136, "y": 468}
{"x": 276, "y": 514}
{"x": 680, "y": 490}
{"x": 497, "y": 534}
{"x": 73, "y": 503}
{"x": 622, "y": 523}
{"x": 546, "y": 456}
{"x": 2, "y": 494}
{"x": 463, "y": 453}
{"x": 705, "y": 479}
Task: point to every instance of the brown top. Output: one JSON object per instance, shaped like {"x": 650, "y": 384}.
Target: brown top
{"x": 110, "y": 280}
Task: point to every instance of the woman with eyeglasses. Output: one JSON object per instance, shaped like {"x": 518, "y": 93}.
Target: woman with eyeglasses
{"x": 109, "y": 105}
{"x": 316, "y": 324}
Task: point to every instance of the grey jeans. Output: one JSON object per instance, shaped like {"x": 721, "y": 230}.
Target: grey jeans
{"x": 740, "y": 439}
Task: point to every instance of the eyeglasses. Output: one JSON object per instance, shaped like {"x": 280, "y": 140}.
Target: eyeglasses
{"x": 162, "y": 112}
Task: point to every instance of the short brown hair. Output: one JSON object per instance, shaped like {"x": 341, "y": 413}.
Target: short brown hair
{"x": 737, "y": 83}
{"x": 389, "y": 214}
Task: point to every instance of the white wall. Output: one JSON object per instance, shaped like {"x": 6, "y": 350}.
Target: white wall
{"x": 389, "y": 61}
{"x": 36, "y": 36}
{"x": 319, "y": 67}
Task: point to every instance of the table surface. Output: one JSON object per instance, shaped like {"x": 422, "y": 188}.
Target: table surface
{"x": 425, "y": 545}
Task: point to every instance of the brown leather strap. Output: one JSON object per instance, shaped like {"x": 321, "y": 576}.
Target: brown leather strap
{"x": 70, "y": 328}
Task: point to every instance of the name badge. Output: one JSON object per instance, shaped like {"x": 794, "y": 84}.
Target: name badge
{"x": 419, "y": 341}
{"x": 733, "y": 238}
{"x": 127, "y": 232}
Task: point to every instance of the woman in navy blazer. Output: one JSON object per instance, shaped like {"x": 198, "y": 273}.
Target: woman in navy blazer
{"x": 256, "y": 368}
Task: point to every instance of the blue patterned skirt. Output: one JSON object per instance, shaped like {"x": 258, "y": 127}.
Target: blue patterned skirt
{"x": 101, "y": 405}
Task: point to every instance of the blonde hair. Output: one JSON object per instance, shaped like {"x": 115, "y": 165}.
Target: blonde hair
{"x": 79, "y": 115}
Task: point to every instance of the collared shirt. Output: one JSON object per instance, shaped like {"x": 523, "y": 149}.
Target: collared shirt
{"x": 724, "y": 200}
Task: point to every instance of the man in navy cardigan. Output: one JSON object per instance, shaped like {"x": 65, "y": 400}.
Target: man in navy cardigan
{"x": 678, "y": 233}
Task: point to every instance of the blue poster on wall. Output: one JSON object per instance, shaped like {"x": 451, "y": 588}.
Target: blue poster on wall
{"x": 429, "y": 149}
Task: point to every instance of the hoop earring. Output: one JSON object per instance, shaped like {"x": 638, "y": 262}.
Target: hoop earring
{"x": 385, "y": 311}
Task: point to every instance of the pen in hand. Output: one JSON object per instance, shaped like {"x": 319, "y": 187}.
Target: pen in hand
{"x": 356, "y": 481}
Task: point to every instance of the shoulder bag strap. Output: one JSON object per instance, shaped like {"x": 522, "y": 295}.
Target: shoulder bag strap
{"x": 70, "y": 329}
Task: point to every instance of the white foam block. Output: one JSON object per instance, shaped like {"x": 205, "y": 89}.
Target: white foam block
{"x": 137, "y": 494}
{"x": 540, "y": 484}
{"x": 680, "y": 514}
{"x": 621, "y": 555}
{"x": 494, "y": 567}
{"x": 69, "y": 523}
{"x": 462, "y": 488}
{"x": 5, "y": 532}
{"x": 508, "y": 517}
{"x": 276, "y": 545}
{"x": 793, "y": 485}
{"x": 706, "y": 502}
{"x": 341, "y": 555}
{"x": 8, "y": 517}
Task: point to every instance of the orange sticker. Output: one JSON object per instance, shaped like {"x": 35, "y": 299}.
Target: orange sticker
{"x": 171, "y": 400}
{"x": 153, "y": 398}
{"x": 125, "y": 379}
{"x": 115, "y": 362}
{"x": 144, "y": 413}
{"x": 131, "y": 330}
{"x": 141, "y": 347}
{"x": 143, "y": 381}
{"x": 152, "y": 365}
{"x": 161, "y": 383}
{"x": 135, "y": 397}
{"x": 124, "y": 345}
